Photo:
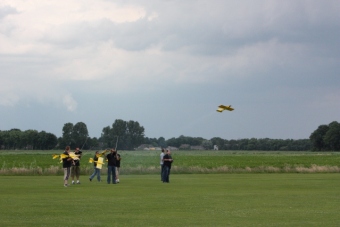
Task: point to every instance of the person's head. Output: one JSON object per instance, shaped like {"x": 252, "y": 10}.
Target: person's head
{"x": 67, "y": 148}
{"x": 163, "y": 150}
{"x": 168, "y": 151}
{"x": 113, "y": 151}
{"x": 97, "y": 152}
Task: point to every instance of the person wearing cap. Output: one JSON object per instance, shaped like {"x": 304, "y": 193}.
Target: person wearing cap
{"x": 75, "y": 169}
{"x": 111, "y": 166}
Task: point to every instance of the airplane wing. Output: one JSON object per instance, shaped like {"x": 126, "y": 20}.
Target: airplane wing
{"x": 100, "y": 163}
{"x": 74, "y": 156}
{"x": 220, "y": 110}
{"x": 54, "y": 156}
{"x": 64, "y": 156}
{"x": 229, "y": 108}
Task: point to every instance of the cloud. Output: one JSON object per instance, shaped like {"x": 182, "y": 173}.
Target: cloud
{"x": 70, "y": 103}
{"x": 6, "y": 11}
{"x": 56, "y": 53}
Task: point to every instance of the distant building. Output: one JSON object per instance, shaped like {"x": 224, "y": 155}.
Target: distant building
{"x": 197, "y": 148}
{"x": 185, "y": 147}
{"x": 172, "y": 148}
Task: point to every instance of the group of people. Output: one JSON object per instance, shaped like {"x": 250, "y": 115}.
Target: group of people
{"x": 113, "y": 167}
{"x": 72, "y": 166}
{"x": 165, "y": 161}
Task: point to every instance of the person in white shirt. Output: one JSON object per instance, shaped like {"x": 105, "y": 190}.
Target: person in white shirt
{"x": 161, "y": 162}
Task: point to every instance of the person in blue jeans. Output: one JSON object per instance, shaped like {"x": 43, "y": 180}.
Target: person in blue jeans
{"x": 167, "y": 161}
{"x": 111, "y": 166}
{"x": 96, "y": 170}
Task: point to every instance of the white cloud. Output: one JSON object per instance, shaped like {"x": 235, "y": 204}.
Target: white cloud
{"x": 70, "y": 103}
{"x": 35, "y": 20}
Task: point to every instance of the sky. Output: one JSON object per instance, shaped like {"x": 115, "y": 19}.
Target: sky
{"x": 168, "y": 64}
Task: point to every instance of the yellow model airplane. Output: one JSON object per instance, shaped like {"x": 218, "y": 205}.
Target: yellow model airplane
{"x": 100, "y": 162}
{"x": 223, "y": 107}
{"x": 62, "y": 156}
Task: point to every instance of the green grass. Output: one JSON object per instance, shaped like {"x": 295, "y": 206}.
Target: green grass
{"x": 147, "y": 162}
{"x": 189, "y": 200}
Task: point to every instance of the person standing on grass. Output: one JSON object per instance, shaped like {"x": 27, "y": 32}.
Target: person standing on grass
{"x": 111, "y": 166}
{"x": 161, "y": 162}
{"x": 96, "y": 170}
{"x": 118, "y": 167}
{"x": 67, "y": 162}
{"x": 75, "y": 169}
{"x": 167, "y": 161}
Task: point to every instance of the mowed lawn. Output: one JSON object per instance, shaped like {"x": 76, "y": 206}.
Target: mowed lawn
{"x": 277, "y": 199}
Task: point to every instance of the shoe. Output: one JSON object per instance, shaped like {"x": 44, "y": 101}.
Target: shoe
{"x": 78, "y": 182}
{"x": 72, "y": 182}
{"x": 65, "y": 185}
{"x": 90, "y": 179}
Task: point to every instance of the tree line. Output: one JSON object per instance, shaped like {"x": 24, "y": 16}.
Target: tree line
{"x": 266, "y": 144}
{"x": 128, "y": 135}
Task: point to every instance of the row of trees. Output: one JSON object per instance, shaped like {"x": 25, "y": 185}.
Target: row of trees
{"x": 123, "y": 135}
{"x": 266, "y": 144}
{"x": 29, "y": 139}
{"x": 127, "y": 135}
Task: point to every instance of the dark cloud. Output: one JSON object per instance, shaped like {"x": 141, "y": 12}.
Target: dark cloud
{"x": 275, "y": 62}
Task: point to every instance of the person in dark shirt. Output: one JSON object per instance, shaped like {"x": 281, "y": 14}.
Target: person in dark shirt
{"x": 75, "y": 169}
{"x": 111, "y": 166}
{"x": 96, "y": 170}
{"x": 67, "y": 162}
{"x": 167, "y": 161}
{"x": 118, "y": 167}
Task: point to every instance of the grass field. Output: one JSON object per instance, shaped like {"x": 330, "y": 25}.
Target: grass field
{"x": 189, "y": 200}
{"x": 208, "y": 188}
{"x": 147, "y": 162}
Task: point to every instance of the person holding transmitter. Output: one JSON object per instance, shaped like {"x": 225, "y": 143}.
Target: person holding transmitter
{"x": 167, "y": 161}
